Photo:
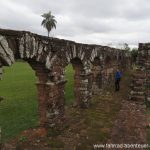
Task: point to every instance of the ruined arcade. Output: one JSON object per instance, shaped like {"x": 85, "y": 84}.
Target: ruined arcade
{"x": 94, "y": 67}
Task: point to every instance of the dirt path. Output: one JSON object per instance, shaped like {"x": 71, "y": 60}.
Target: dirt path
{"x": 130, "y": 126}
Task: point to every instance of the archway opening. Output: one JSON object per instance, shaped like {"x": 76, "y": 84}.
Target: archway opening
{"x": 73, "y": 86}
{"x": 19, "y": 109}
{"x": 69, "y": 87}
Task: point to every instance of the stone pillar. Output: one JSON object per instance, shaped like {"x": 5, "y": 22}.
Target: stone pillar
{"x": 42, "y": 74}
{"x": 141, "y": 78}
{"x": 96, "y": 84}
{"x": 144, "y": 63}
{"x": 51, "y": 97}
{"x": 147, "y": 84}
{"x": 41, "y": 89}
{"x": 137, "y": 87}
{"x": 55, "y": 104}
{"x": 83, "y": 89}
{"x": 96, "y": 77}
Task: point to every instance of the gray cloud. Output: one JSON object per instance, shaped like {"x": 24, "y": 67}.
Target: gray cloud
{"x": 97, "y": 21}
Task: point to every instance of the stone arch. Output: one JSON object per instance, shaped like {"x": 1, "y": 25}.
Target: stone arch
{"x": 75, "y": 55}
{"x": 80, "y": 83}
{"x": 74, "y": 52}
{"x": 37, "y": 60}
{"x": 82, "y": 80}
{"x": 51, "y": 83}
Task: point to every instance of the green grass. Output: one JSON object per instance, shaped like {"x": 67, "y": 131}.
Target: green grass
{"x": 148, "y": 130}
{"x": 148, "y": 138}
{"x": 19, "y": 109}
{"x": 69, "y": 96}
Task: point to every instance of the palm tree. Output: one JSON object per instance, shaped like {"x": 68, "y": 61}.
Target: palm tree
{"x": 48, "y": 22}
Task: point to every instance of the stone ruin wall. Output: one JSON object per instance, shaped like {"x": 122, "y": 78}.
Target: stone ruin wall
{"x": 140, "y": 86}
{"x": 144, "y": 63}
{"x": 94, "y": 67}
{"x": 139, "y": 97}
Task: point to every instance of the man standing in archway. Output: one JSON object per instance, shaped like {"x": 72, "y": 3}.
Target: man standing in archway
{"x": 118, "y": 76}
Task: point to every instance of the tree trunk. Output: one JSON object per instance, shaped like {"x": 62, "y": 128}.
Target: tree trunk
{"x": 48, "y": 34}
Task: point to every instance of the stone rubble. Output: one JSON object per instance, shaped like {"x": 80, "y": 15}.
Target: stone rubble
{"x": 130, "y": 125}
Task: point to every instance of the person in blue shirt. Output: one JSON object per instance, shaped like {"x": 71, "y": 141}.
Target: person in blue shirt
{"x": 118, "y": 76}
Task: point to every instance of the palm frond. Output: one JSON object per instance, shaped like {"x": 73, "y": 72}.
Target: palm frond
{"x": 43, "y": 22}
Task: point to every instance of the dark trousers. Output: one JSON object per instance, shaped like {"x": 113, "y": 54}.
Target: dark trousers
{"x": 117, "y": 84}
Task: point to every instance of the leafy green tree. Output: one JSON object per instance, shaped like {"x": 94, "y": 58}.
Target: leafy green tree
{"x": 134, "y": 54}
{"x": 48, "y": 22}
{"x": 126, "y": 47}
{"x": 123, "y": 46}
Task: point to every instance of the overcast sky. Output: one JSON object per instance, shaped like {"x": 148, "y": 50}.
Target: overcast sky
{"x": 102, "y": 22}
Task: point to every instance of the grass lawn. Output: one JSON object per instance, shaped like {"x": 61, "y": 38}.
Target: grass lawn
{"x": 148, "y": 130}
{"x": 69, "y": 94}
{"x": 19, "y": 109}
{"x": 149, "y": 138}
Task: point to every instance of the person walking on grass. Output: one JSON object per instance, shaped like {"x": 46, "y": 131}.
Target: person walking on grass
{"x": 118, "y": 76}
